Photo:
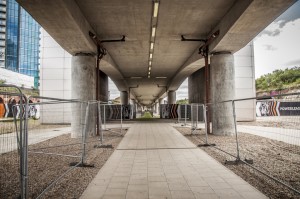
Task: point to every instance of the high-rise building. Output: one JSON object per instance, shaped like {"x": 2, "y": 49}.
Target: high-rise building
{"x": 2, "y": 32}
{"x": 21, "y": 35}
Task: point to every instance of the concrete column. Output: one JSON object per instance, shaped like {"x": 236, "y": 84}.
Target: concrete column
{"x": 133, "y": 106}
{"x": 196, "y": 86}
{"x": 83, "y": 81}
{"x": 124, "y": 97}
{"x": 103, "y": 87}
{"x": 160, "y": 101}
{"x": 222, "y": 88}
{"x": 171, "y": 97}
{"x": 157, "y": 107}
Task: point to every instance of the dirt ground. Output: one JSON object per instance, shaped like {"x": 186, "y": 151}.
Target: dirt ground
{"x": 45, "y": 168}
{"x": 278, "y": 159}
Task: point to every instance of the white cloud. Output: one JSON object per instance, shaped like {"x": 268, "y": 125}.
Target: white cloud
{"x": 282, "y": 49}
{"x": 113, "y": 90}
{"x": 182, "y": 91}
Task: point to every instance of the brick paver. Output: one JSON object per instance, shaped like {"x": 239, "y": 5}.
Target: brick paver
{"x": 155, "y": 161}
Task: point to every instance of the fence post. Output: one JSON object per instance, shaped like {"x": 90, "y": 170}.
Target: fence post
{"x": 185, "y": 114}
{"x": 235, "y": 130}
{"x": 100, "y": 123}
{"x": 121, "y": 117}
{"x": 84, "y": 131}
{"x": 204, "y": 116}
{"x": 104, "y": 119}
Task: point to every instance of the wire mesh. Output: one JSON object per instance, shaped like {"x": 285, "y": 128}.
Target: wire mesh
{"x": 12, "y": 125}
{"x": 53, "y": 144}
{"x": 112, "y": 117}
{"x": 264, "y": 141}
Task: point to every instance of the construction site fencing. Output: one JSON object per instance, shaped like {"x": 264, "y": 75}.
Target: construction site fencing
{"x": 112, "y": 117}
{"x": 184, "y": 112}
{"x": 39, "y": 146}
{"x": 198, "y": 117}
{"x": 265, "y": 142}
{"x": 12, "y": 142}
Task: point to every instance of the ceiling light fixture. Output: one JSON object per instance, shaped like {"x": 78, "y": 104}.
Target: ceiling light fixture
{"x": 136, "y": 77}
{"x": 160, "y": 77}
{"x": 150, "y": 63}
{"x": 155, "y": 12}
{"x": 153, "y": 31}
{"x": 150, "y": 55}
{"x": 151, "y": 45}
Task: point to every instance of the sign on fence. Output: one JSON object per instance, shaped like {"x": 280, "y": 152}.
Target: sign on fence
{"x": 276, "y": 108}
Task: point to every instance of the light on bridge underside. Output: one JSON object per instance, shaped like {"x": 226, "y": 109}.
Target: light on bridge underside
{"x": 155, "y": 11}
{"x": 150, "y": 56}
{"x": 150, "y": 63}
{"x": 151, "y": 46}
{"x": 153, "y": 31}
{"x": 149, "y": 68}
{"x": 160, "y": 77}
{"x": 136, "y": 77}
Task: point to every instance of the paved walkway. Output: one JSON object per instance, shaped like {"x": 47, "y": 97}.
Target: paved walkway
{"x": 8, "y": 141}
{"x": 155, "y": 161}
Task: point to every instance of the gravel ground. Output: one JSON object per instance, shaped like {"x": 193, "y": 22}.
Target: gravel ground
{"x": 43, "y": 169}
{"x": 287, "y": 122}
{"x": 276, "y": 158}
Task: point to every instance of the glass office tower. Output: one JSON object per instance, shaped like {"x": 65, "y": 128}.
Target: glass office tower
{"x": 22, "y": 42}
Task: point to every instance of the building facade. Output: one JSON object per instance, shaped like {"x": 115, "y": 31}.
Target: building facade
{"x": 21, "y": 35}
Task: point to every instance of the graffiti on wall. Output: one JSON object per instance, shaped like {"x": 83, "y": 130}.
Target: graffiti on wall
{"x": 276, "y": 108}
{"x": 12, "y": 108}
{"x": 169, "y": 111}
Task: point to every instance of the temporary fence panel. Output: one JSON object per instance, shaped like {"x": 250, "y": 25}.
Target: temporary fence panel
{"x": 13, "y": 172}
{"x": 269, "y": 146}
{"x": 197, "y": 117}
{"x": 55, "y": 146}
{"x": 112, "y": 117}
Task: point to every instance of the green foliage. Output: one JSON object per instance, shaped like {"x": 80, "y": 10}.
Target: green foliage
{"x": 182, "y": 101}
{"x": 279, "y": 80}
{"x": 147, "y": 115}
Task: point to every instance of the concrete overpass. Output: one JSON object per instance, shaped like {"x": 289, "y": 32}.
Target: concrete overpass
{"x": 153, "y": 57}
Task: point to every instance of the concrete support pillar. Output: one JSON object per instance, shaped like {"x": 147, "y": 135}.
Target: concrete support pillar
{"x": 133, "y": 106}
{"x": 222, "y": 88}
{"x": 103, "y": 87}
{"x": 157, "y": 107}
{"x": 171, "y": 97}
{"x": 83, "y": 78}
{"x": 124, "y": 97}
{"x": 196, "y": 86}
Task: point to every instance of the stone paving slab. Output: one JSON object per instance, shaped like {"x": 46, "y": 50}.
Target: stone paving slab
{"x": 170, "y": 172}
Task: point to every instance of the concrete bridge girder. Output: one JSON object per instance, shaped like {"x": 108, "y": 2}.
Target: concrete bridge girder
{"x": 70, "y": 21}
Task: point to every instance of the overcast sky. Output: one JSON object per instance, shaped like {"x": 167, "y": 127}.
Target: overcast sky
{"x": 276, "y": 47}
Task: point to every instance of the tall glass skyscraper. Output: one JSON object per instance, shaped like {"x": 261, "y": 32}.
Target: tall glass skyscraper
{"x": 22, "y": 41}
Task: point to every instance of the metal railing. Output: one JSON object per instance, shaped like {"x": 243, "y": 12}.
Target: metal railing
{"x": 268, "y": 145}
{"x": 40, "y": 147}
{"x": 13, "y": 137}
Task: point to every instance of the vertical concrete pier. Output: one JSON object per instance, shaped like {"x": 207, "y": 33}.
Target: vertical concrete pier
{"x": 222, "y": 88}
{"x": 124, "y": 97}
{"x": 171, "y": 97}
{"x": 83, "y": 78}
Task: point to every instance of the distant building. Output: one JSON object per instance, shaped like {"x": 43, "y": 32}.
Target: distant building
{"x": 19, "y": 40}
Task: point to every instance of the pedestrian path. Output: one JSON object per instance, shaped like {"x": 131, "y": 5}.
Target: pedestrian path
{"x": 155, "y": 161}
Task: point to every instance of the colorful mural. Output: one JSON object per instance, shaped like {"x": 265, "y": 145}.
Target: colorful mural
{"x": 277, "y": 108}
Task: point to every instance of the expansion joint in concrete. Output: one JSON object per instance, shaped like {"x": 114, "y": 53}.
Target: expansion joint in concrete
{"x": 91, "y": 54}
